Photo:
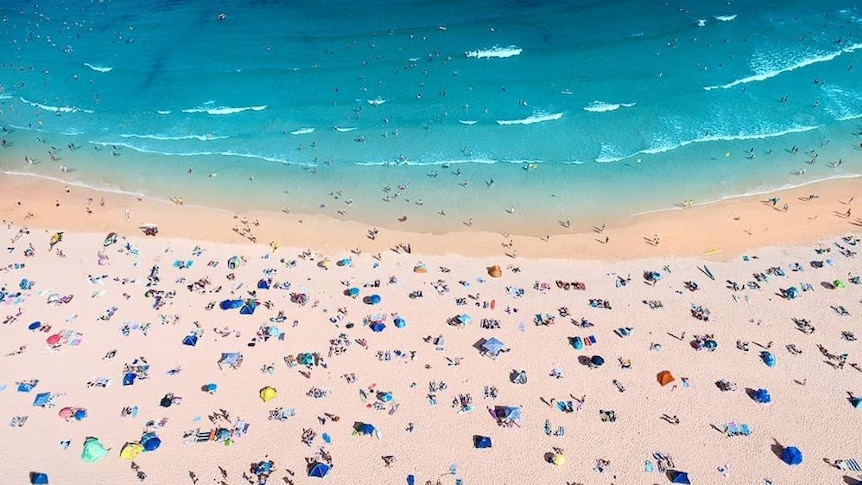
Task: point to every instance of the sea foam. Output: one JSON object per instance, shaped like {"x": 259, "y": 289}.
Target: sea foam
{"x": 302, "y": 131}
{"x": 175, "y": 138}
{"x": 98, "y": 68}
{"x": 495, "y": 52}
{"x": 536, "y": 118}
{"x": 56, "y": 109}
{"x": 224, "y": 110}
{"x": 725, "y": 18}
{"x": 601, "y": 107}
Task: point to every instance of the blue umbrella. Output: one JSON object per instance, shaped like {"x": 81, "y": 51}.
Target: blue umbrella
{"x": 493, "y": 346}
{"x": 399, "y": 322}
{"x": 25, "y": 387}
{"x": 150, "y": 442}
{"x": 35, "y": 326}
{"x": 597, "y": 360}
{"x": 791, "y": 455}
{"x": 352, "y": 292}
{"x": 377, "y": 327}
{"x": 38, "y": 478}
{"x": 263, "y": 284}
{"x": 768, "y": 358}
{"x": 191, "y": 340}
{"x": 762, "y": 396}
{"x": 42, "y": 399}
{"x": 372, "y": 300}
{"x": 856, "y": 402}
{"x": 80, "y": 414}
{"x": 318, "y": 470}
{"x": 129, "y": 379}
{"x": 384, "y": 396}
{"x": 210, "y": 388}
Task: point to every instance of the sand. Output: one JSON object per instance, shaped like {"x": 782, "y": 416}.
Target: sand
{"x": 810, "y": 406}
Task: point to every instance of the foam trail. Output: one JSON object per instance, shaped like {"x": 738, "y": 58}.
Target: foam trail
{"x": 224, "y": 110}
{"x": 536, "y": 118}
{"x": 174, "y": 138}
{"x": 467, "y": 122}
{"x": 803, "y": 63}
{"x": 163, "y": 112}
{"x": 302, "y": 131}
{"x": 495, "y": 52}
{"x": 725, "y": 18}
{"x": 376, "y": 101}
{"x": 198, "y": 154}
{"x": 98, "y": 68}
{"x": 56, "y": 109}
{"x": 344, "y": 130}
{"x": 602, "y": 107}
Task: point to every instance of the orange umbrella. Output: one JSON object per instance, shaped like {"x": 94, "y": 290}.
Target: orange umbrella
{"x": 54, "y": 339}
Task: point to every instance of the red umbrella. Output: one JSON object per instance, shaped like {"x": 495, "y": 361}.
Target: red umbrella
{"x": 54, "y": 339}
{"x": 67, "y": 413}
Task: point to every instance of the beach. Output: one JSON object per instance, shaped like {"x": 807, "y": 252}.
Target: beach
{"x": 421, "y": 337}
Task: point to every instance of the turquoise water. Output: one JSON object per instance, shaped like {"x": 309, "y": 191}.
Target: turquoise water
{"x": 622, "y": 106}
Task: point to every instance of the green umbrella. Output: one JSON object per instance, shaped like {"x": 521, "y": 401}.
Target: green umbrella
{"x": 93, "y": 450}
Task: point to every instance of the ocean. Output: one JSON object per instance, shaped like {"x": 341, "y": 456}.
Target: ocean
{"x": 513, "y": 115}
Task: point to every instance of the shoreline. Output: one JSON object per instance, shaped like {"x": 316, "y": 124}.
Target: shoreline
{"x": 717, "y": 230}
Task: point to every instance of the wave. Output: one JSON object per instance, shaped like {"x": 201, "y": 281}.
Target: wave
{"x": 163, "y": 112}
{"x": 344, "y": 130}
{"x": 302, "y": 131}
{"x": 376, "y": 101}
{"x": 798, "y": 65}
{"x": 601, "y": 107}
{"x": 98, "y": 68}
{"x": 5, "y": 96}
{"x": 73, "y": 183}
{"x": 705, "y": 139}
{"x": 467, "y": 122}
{"x": 413, "y": 163}
{"x": 55, "y": 109}
{"x": 725, "y": 18}
{"x": 175, "y": 138}
{"x": 495, "y": 52}
{"x": 227, "y": 153}
{"x": 224, "y": 110}
{"x": 536, "y": 118}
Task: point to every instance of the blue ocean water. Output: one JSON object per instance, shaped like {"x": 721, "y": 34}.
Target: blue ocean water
{"x": 517, "y": 114}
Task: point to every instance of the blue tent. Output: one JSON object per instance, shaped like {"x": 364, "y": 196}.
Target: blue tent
{"x": 248, "y": 308}
{"x": 493, "y": 346}
{"x": 129, "y": 378}
{"x": 768, "y": 358}
{"x": 371, "y": 300}
{"x": 678, "y": 477}
{"x": 318, "y": 470}
{"x": 399, "y": 322}
{"x": 762, "y": 396}
{"x": 263, "y": 284}
{"x": 377, "y": 327}
{"x": 25, "y": 387}
{"x": 230, "y": 304}
{"x": 597, "y": 361}
{"x": 856, "y": 402}
{"x": 38, "y": 478}
{"x": 191, "y": 340}
{"x": 791, "y": 455}
{"x": 352, "y": 292}
{"x": 481, "y": 441}
{"x": 150, "y": 442}
{"x": 42, "y": 399}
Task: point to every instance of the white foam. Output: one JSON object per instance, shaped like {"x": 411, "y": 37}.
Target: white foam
{"x": 163, "y": 112}
{"x": 536, "y": 118}
{"x": 56, "y": 109}
{"x": 302, "y": 131}
{"x": 73, "y": 183}
{"x": 376, "y": 101}
{"x": 227, "y": 153}
{"x": 224, "y": 110}
{"x": 495, "y": 52}
{"x": 725, "y": 18}
{"x": 415, "y": 163}
{"x": 602, "y": 107}
{"x": 762, "y": 76}
{"x": 467, "y": 122}
{"x": 344, "y": 130}
{"x": 5, "y": 96}
{"x": 701, "y": 22}
{"x": 208, "y": 137}
{"x": 98, "y": 68}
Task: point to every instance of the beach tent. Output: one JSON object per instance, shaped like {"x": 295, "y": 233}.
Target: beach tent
{"x": 268, "y": 393}
{"x": 305, "y": 358}
{"x": 234, "y": 262}
{"x": 665, "y": 377}
{"x": 363, "y": 429}
{"x": 131, "y": 451}
{"x": 377, "y": 327}
{"x": 371, "y": 300}
{"x": 263, "y": 284}
{"x": 519, "y": 377}
{"x": 230, "y": 304}
{"x": 493, "y": 346}
{"x": 248, "y": 307}
{"x": 93, "y": 450}
{"x": 66, "y": 413}
{"x": 791, "y": 292}
{"x": 677, "y": 476}
{"x": 791, "y": 455}
{"x": 25, "y": 387}
{"x": 38, "y": 478}
{"x": 399, "y": 322}
{"x": 768, "y": 358}
{"x": 231, "y": 359}
{"x": 43, "y": 400}
{"x": 597, "y": 361}
{"x": 191, "y": 340}
{"x": 838, "y": 284}
{"x": 762, "y": 396}
{"x": 129, "y": 378}
{"x": 481, "y": 441}
{"x": 495, "y": 271}
{"x": 420, "y": 268}
{"x": 856, "y": 402}
{"x": 318, "y": 469}
{"x": 150, "y": 442}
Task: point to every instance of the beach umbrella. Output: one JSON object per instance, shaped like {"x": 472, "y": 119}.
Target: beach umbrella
{"x": 856, "y": 402}
{"x": 597, "y": 361}
{"x": 42, "y": 399}
{"x": 762, "y": 396}
{"x": 768, "y": 358}
{"x": 318, "y": 470}
{"x": 210, "y": 388}
{"x": 384, "y": 396}
{"x": 792, "y": 292}
{"x": 38, "y": 478}
{"x": 493, "y": 346}
{"x": 222, "y": 434}
{"x": 166, "y": 401}
{"x": 577, "y": 343}
{"x": 665, "y": 377}
{"x": 263, "y": 284}
{"x": 344, "y": 262}
{"x": 80, "y": 414}
{"x": 129, "y": 378}
{"x": 25, "y": 387}
{"x": 481, "y": 441}
{"x": 268, "y": 393}
{"x": 710, "y": 344}
{"x": 354, "y": 292}
{"x": 838, "y": 284}
{"x": 305, "y": 358}
{"x": 25, "y": 284}
{"x": 677, "y": 476}
{"x": 399, "y": 322}
{"x": 558, "y": 459}
{"x": 372, "y": 300}
{"x": 420, "y": 268}
{"x": 230, "y": 304}
{"x": 93, "y": 450}
{"x": 66, "y": 413}
{"x": 248, "y": 307}
{"x": 150, "y": 442}
{"x": 234, "y": 262}
{"x": 495, "y": 271}
{"x": 55, "y": 239}
{"x": 791, "y": 455}
{"x": 131, "y": 451}
{"x": 34, "y": 326}
{"x": 191, "y": 340}
{"x": 361, "y": 428}
{"x": 54, "y": 339}
{"x": 377, "y": 327}
{"x": 464, "y": 319}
